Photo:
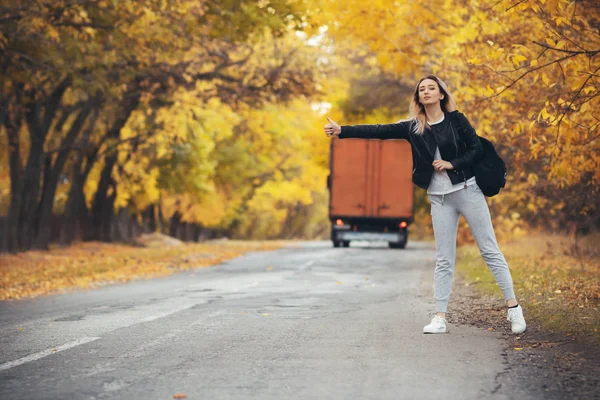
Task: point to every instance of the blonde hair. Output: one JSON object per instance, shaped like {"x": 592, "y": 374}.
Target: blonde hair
{"x": 417, "y": 110}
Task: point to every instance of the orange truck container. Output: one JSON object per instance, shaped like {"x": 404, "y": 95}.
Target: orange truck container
{"x": 371, "y": 191}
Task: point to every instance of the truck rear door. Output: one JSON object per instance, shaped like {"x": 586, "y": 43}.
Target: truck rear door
{"x": 393, "y": 179}
{"x": 349, "y": 177}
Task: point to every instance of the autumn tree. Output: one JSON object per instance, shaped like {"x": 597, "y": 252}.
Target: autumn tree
{"x": 75, "y": 73}
{"x": 524, "y": 72}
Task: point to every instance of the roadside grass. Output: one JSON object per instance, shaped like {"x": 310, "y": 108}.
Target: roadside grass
{"x": 557, "y": 283}
{"x": 93, "y": 264}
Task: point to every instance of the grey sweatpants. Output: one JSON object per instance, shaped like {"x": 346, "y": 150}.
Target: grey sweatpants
{"x": 445, "y": 211}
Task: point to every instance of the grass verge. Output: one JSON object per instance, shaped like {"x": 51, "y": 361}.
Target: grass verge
{"x": 93, "y": 264}
{"x": 557, "y": 283}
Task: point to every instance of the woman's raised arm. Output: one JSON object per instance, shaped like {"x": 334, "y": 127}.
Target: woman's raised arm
{"x": 398, "y": 130}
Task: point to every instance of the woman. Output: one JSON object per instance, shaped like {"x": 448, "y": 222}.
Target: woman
{"x": 445, "y": 148}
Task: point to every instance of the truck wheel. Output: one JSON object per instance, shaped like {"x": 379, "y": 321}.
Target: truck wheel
{"x": 336, "y": 243}
{"x": 346, "y": 243}
{"x": 400, "y": 245}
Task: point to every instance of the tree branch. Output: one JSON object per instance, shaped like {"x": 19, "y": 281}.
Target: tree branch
{"x": 515, "y": 5}
{"x": 590, "y": 141}
{"x": 589, "y": 53}
{"x": 573, "y": 98}
{"x": 528, "y": 72}
{"x": 84, "y": 25}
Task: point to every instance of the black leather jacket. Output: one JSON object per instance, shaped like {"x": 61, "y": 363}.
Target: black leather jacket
{"x": 462, "y": 148}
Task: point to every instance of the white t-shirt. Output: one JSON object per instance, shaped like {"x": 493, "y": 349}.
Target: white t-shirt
{"x": 440, "y": 181}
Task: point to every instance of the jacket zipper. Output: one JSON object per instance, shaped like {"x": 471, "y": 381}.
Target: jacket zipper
{"x": 456, "y": 146}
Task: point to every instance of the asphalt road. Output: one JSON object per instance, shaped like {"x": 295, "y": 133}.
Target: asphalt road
{"x": 309, "y": 322}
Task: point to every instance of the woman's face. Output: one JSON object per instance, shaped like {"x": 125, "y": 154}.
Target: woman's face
{"x": 429, "y": 92}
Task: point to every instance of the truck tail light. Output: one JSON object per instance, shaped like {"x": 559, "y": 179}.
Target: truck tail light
{"x": 339, "y": 222}
{"x": 403, "y": 224}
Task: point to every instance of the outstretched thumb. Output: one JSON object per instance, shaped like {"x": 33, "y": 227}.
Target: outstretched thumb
{"x": 330, "y": 121}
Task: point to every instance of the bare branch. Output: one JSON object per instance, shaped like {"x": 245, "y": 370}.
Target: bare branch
{"x": 590, "y": 53}
{"x": 528, "y": 72}
{"x": 84, "y": 25}
{"x": 113, "y": 144}
{"x": 492, "y": 6}
{"x": 573, "y": 98}
{"x": 515, "y": 5}
{"x": 591, "y": 140}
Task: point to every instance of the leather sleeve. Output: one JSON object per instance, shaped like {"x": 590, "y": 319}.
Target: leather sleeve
{"x": 398, "y": 130}
{"x": 474, "y": 149}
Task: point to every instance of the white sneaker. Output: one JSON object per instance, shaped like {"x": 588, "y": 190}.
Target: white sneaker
{"x": 437, "y": 325}
{"x": 517, "y": 320}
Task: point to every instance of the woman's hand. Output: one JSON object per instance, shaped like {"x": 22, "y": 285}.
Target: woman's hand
{"x": 441, "y": 165}
{"x": 332, "y": 129}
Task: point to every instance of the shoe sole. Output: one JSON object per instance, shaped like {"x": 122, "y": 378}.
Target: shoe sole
{"x": 434, "y": 333}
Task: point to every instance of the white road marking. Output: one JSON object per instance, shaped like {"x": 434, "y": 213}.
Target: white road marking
{"x": 307, "y": 264}
{"x": 84, "y": 340}
{"x": 45, "y": 353}
{"x": 165, "y": 314}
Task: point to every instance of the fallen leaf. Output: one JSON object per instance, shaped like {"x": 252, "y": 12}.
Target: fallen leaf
{"x": 180, "y": 396}
{"x": 265, "y": 314}
{"x": 20, "y": 329}
{"x": 490, "y": 329}
{"x": 339, "y": 283}
{"x": 270, "y": 268}
{"x": 518, "y": 348}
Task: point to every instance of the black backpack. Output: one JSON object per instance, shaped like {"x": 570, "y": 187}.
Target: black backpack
{"x": 490, "y": 169}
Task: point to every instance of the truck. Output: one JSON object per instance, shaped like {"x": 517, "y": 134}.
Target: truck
{"x": 371, "y": 194}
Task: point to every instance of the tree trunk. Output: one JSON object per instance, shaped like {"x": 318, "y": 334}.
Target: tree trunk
{"x": 160, "y": 218}
{"x": 174, "y": 223}
{"x": 149, "y": 218}
{"x": 75, "y": 206}
{"x": 120, "y": 228}
{"x": 102, "y": 207}
{"x": 52, "y": 174}
{"x": 197, "y": 230}
{"x": 39, "y": 116}
{"x": 77, "y": 215}
{"x": 28, "y": 196}
{"x": 11, "y": 227}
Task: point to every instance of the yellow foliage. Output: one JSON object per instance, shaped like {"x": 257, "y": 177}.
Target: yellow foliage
{"x": 502, "y": 66}
{"x": 217, "y": 164}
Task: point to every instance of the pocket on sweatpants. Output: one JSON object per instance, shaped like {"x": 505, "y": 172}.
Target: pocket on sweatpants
{"x": 434, "y": 202}
{"x": 474, "y": 187}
